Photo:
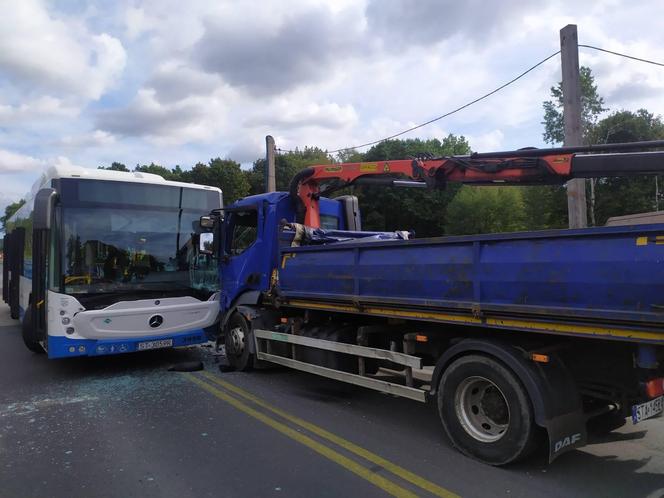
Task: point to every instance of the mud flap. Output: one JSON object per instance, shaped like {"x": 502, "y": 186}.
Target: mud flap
{"x": 566, "y": 432}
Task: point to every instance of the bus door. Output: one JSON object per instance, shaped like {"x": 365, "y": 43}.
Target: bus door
{"x": 5, "y": 268}
{"x": 45, "y": 201}
{"x": 15, "y": 270}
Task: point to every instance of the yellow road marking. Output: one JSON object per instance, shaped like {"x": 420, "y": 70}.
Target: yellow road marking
{"x": 404, "y": 474}
{"x": 379, "y": 481}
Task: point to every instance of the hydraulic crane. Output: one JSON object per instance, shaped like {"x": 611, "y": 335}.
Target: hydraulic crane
{"x": 519, "y": 167}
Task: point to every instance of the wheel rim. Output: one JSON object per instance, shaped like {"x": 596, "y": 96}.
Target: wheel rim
{"x": 482, "y": 409}
{"x": 235, "y": 344}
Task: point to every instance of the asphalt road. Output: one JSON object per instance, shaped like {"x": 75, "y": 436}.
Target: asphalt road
{"x": 125, "y": 426}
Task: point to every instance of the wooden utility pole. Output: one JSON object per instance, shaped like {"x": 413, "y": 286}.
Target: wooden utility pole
{"x": 569, "y": 54}
{"x": 270, "y": 171}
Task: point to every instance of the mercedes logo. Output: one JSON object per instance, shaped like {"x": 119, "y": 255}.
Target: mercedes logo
{"x": 155, "y": 321}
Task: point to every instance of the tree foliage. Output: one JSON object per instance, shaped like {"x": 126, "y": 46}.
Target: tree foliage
{"x": 420, "y": 210}
{"x": 174, "y": 174}
{"x": 223, "y": 173}
{"x": 115, "y": 166}
{"x": 485, "y": 210}
{"x": 618, "y": 196}
{"x": 592, "y": 105}
{"x": 10, "y": 210}
{"x": 286, "y": 165}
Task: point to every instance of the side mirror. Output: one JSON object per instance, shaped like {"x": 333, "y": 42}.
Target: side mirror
{"x": 206, "y": 243}
{"x": 44, "y": 201}
{"x": 207, "y": 222}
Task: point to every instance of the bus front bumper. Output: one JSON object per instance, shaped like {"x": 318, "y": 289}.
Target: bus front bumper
{"x": 64, "y": 347}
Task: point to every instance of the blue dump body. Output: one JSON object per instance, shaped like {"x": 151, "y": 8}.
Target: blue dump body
{"x": 605, "y": 281}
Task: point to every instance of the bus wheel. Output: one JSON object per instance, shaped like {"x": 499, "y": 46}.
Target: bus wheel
{"x": 28, "y": 333}
{"x": 485, "y": 410}
{"x": 237, "y": 338}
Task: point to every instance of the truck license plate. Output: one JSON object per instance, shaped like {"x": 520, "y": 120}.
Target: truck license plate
{"x": 164, "y": 343}
{"x": 647, "y": 410}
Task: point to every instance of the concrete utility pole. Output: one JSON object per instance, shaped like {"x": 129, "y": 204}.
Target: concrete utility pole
{"x": 569, "y": 54}
{"x": 270, "y": 171}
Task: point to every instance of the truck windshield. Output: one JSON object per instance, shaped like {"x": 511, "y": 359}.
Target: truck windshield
{"x": 145, "y": 243}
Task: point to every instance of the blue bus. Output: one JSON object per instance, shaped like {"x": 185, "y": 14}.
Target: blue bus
{"x": 101, "y": 262}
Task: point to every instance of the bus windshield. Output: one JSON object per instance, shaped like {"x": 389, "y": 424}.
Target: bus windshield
{"x": 123, "y": 237}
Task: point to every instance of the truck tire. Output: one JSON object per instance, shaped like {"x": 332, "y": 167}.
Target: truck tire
{"x": 27, "y": 333}
{"x": 237, "y": 337}
{"x": 485, "y": 410}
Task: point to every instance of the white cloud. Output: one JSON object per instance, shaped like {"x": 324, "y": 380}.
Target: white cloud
{"x": 45, "y": 107}
{"x": 487, "y": 142}
{"x": 40, "y": 52}
{"x": 138, "y": 22}
{"x": 186, "y": 120}
{"x": 12, "y": 162}
{"x": 97, "y": 138}
{"x": 286, "y": 114}
{"x": 180, "y": 82}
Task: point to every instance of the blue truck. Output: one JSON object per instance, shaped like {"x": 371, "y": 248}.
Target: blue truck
{"x": 533, "y": 337}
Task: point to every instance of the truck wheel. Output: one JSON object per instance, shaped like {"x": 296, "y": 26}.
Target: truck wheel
{"x": 27, "y": 333}
{"x": 237, "y": 339}
{"x": 485, "y": 410}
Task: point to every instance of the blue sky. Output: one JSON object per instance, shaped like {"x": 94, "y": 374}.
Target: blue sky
{"x": 173, "y": 82}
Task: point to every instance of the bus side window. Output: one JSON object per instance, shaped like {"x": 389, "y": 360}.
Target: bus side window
{"x": 245, "y": 231}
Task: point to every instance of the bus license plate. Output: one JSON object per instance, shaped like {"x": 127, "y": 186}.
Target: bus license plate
{"x": 164, "y": 343}
{"x": 647, "y": 410}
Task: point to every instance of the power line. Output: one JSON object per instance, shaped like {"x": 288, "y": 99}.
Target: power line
{"x": 468, "y": 104}
{"x": 622, "y": 55}
{"x": 478, "y": 99}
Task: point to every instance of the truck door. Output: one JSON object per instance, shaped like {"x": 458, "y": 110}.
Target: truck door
{"x": 241, "y": 263}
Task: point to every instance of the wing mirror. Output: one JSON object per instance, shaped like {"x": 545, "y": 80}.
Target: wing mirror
{"x": 206, "y": 243}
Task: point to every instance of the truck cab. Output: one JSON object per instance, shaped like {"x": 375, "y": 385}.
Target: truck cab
{"x": 252, "y": 229}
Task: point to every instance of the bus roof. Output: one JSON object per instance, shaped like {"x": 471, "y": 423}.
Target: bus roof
{"x": 71, "y": 171}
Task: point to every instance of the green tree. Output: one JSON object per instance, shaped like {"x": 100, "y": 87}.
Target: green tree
{"x": 9, "y": 212}
{"x": 223, "y": 173}
{"x": 420, "y": 210}
{"x": 286, "y": 165}
{"x": 616, "y": 196}
{"x": 115, "y": 166}
{"x": 592, "y": 105}
{"x": 485, "y": 210}
{"x": 175, "y": 174}
{"x": 545, "y": 206}
{"x": 349, "y": 156}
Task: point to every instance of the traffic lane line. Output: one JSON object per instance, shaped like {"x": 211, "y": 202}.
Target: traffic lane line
{"x": 383, "y": 483}
{"x": 395, "y": 469}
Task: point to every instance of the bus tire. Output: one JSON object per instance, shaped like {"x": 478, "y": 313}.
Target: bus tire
{"x": 27, "y": 332}
{"x": 486, "y": 411}
{"x": 237, "y": 340}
